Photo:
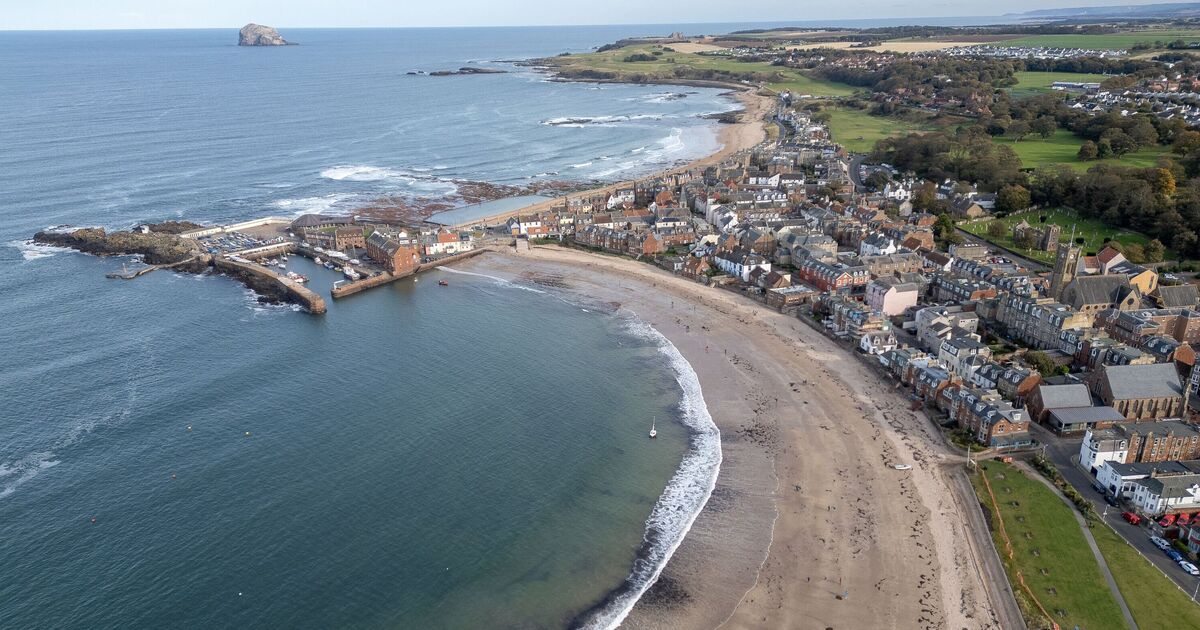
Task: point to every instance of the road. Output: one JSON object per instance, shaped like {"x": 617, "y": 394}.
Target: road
{"x": 856, "y": 161}
{"x": 1029, "y": 264}
{"x": 1063, "y": 452}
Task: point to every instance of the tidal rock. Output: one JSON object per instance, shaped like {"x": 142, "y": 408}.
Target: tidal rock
{"x": 259, "y": 35}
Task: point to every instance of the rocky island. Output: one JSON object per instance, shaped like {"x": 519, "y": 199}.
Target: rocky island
{"x": 467, "y": 70}
{"x": 259, "y": 35}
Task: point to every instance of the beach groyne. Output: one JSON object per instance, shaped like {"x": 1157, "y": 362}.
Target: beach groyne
{"x": 274, "y": 286}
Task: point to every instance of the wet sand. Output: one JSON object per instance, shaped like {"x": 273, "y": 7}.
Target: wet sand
{"x": 807, "y": 508}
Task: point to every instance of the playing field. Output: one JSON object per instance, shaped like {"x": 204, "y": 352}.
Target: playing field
{"x": 1033, "y": 83}
{"x": 1063, "y": 148}
{"x": 858, "y": 131}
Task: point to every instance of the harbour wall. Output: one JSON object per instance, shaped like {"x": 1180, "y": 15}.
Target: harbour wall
{"x": 268, "y": 282}
{"x": 350, "y": 288}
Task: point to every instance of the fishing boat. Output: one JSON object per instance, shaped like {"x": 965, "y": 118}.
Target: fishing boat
{"x": 653, "y": 431}
{"x": 318, "y": 260}
{"x": 443, "y": 283}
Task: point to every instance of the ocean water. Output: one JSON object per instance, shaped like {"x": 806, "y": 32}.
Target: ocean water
{"x": 421, "y": 456}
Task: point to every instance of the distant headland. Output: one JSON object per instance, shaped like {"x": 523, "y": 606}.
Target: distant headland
{"x": 259, "y": 35}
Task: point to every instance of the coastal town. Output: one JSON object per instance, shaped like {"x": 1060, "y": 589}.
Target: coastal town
{"x": 938, "y": 367}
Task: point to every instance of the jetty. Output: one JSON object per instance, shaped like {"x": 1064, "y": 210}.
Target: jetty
{"x": 345, "y": 288}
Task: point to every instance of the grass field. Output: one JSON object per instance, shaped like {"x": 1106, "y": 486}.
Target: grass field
{"x": 1049, "y": 551}
{"x": 676, "y": 65}
{"x": 1153, "y": 599}
{"x": 1034, "y": 83}
{"x": 858, "y": 131}
{"x": 1092, "y": 231}
{"x": 1111, "y": 41}
{"x": 1063, "y": 148}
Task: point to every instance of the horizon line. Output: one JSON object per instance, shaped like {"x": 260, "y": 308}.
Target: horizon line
{"x": 809, "y": 22}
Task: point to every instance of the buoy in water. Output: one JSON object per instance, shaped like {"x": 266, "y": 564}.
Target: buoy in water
{"x": 247, "y": 434}
{"x": 93, "y": 519}
{"x": 172, "y": 475}
{"x": 189, "y": 427}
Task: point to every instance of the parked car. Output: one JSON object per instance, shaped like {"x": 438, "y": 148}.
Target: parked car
{"x": 1133, "y": 519}
{"x": 1189, "y": 567}
{"x": 1160, "y": 542}
{"x": 1111, "y": 500}
{"x": 1175, "y": 556}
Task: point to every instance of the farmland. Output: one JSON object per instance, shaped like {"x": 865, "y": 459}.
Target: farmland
{"x": 1108, "y": 41}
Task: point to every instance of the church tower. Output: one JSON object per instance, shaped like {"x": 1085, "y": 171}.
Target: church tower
{"x": 1066, "y": 262}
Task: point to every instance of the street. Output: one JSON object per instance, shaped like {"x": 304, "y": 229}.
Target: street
{"x": 1062, "y": 452}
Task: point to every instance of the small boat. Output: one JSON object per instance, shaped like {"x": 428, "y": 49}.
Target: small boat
{"x": 318, "y": 260}
{"x": 653, "y": 431}
{"x": 443, "y": 283}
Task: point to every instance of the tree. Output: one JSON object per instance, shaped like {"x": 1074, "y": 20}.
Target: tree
{"x": 1044, "y": 126}
{"x": 1104, "y": 149}
{"x": 1041, "y": 362}
{"x": 1144, "y": 133}
{"x": 1011, "y": 199}
{"x": 1154, "y": 251}
{"x": 1018, "y": 130}
{"x": 996, "y": 229}
{"x": 1186, "y": 142}
{"x": 1119, "y": 141}
{"x": 878, "y": 180}
{"x": 1135, "y": 253}
{"x": 1088, "y": 151}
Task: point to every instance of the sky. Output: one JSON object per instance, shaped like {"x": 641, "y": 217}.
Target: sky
{"x": 125, "y": 14}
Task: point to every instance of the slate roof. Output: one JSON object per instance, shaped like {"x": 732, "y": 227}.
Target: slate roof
{"x": 1065, "y": 396}
{"x": 1095, "y": 290}
{"x": 1131, "y": 382}
{"x": 1181, "y": 295}
{"x": 1085, "y": 415}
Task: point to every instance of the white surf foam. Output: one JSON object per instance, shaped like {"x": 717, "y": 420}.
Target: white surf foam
{"x": 686, "y": 493}
{"x": 413, "y": 182}
{"x": 34, "y": 251}
{"x": 23, "y": 470}
{"x": 312, "y": 205}
{"x": 498, "y": 279}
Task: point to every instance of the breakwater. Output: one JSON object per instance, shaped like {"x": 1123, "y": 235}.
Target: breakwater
{"x": 271, "y": 284}
{"x": 350, "y": 288}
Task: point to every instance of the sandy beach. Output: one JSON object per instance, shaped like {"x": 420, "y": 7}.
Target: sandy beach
{"x": 744, "y": 134}
{"x": 808, "y": 526}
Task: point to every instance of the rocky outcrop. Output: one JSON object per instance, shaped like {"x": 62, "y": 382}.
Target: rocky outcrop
{"x": 465, "y": 70}
{"x": 157, "y": 249}
{"x": 259, "y": 35}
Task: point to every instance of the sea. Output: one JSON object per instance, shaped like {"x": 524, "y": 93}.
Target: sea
{"x": 175, "y": 454}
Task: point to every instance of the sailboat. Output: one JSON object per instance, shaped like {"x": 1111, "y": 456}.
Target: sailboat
{"x": 653, "y": 431}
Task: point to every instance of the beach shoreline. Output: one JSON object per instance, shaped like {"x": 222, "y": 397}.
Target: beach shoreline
{"x": 808, "y": 525}
{"x": 733, "y": 138}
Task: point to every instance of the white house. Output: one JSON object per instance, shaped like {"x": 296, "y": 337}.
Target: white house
{"x": 1119, "y": 479}
{"x": 1102, "y": 445}
{"x": 878, "y": 342}
{"x": 878, "y": 245}
{"x": 740, "y": 262}
{"x": 1161, "y": 494}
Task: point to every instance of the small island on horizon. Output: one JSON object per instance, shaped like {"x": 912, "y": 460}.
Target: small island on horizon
{"x": 258, "y": 35}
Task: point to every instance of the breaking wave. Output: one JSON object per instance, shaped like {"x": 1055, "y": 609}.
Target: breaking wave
{"x": 34, "y": 251}
{"x": 680, "y": 503}
{"x": 412, "y": 182}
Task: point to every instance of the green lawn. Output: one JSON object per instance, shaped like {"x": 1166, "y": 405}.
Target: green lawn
{"x": 1092, "y": 231}
{"x": 1049, "y": 550}
{"x": 676, "y": 65}
{"x": 1063, "y": 148}
{"x": 858, "y": 131}
{"x": 1153, "y": 599}
{"x": 1033, "y": 83}
{"x": 1111, "y": 41}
